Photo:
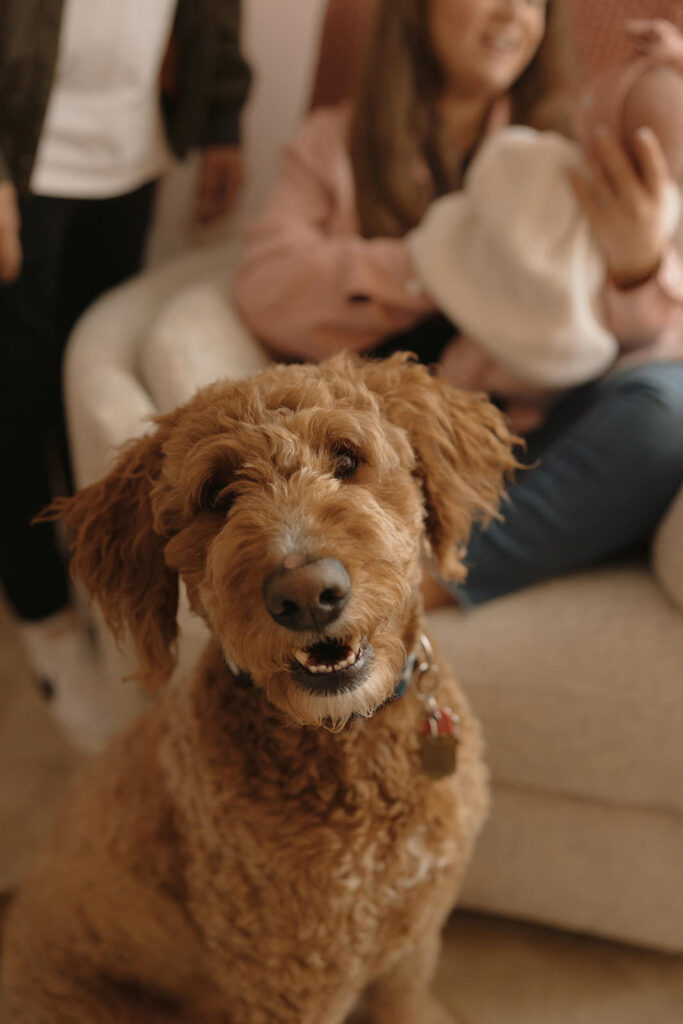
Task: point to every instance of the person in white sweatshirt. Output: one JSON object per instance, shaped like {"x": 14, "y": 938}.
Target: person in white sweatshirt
{"x": 95, "y": 97}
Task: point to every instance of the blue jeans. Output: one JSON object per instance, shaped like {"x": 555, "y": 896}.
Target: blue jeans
{"x": 610, "y": 460}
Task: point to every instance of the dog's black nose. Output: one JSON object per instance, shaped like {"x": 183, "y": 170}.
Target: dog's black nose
{"x": 309, "y": 596}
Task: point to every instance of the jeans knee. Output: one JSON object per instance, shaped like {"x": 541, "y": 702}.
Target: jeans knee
{"x": 654, "y": 408}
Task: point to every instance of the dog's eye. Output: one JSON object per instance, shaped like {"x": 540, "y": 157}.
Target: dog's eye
{"x": 216, "y": 497}
{"x": 346, "y": 463}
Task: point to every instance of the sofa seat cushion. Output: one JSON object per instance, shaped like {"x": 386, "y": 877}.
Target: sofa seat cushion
{"x": 584, "y": 865}
{"x": 577, "y": 683}
{"x": 667, "y": 552}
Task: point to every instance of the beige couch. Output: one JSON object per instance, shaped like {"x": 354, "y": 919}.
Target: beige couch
{"x": 577, "y": 681}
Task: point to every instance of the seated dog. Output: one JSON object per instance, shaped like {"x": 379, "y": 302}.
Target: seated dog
{"x": 288, "y": 831}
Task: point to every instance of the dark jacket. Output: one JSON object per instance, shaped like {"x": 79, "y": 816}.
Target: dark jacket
{"x": 205, "y": 78}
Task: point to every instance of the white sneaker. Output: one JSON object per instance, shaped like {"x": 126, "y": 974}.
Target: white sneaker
{"x": 71, "y": 677}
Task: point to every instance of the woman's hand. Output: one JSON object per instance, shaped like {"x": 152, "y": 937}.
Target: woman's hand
{"x": 626, "y": 202}
{"x": 10, "y": 244}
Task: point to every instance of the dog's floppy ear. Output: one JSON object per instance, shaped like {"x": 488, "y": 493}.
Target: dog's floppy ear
{"x": 463, "y": 450}
{"x": 119, "y": 557}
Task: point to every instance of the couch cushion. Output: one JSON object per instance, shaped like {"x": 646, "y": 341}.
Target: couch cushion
{"x": 667, "y": 552}
{"x": 583, "y": 865}
{"x": 578, "y": 685}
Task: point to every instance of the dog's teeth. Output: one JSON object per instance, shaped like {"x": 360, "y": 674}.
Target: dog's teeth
{"x": 317, "y": 668}
{"x": 347, "y": 662}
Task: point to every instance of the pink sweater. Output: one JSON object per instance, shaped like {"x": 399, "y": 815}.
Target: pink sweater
{"x": 311, "y": 285}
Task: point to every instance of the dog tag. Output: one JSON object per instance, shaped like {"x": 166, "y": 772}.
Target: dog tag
{"x": 439, "y": 737}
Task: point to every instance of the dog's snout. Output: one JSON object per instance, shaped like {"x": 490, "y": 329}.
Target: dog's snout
{"x": 308, "y": 597}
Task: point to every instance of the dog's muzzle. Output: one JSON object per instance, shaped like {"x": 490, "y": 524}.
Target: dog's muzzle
{"x": 310, "y": 598}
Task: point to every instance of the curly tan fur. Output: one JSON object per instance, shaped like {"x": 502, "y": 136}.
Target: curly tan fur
{"x": 250, "y": 852}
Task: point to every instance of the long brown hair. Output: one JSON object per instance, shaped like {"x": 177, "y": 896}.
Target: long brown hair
{"x": 394, "y": 129}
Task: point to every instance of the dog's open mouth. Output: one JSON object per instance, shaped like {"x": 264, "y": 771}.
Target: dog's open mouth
{"x": 333, "y": 666}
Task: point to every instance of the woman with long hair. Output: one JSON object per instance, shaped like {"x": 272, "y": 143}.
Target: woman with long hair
{"x": 327, "y": 267}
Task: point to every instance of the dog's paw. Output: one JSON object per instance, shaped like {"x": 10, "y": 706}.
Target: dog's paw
{"x": 433, "y": 1013}
{"x": 438, "y": 1014}
{"x": 358, "y": 1017}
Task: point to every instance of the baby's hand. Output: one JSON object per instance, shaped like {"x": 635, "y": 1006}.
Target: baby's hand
{"x": 658, "y": 38}
{"x": 465, "y": 364}
{"x": 524, "y": 417}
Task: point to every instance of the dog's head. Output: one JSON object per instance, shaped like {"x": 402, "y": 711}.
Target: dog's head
{"x": 295, "y": 505}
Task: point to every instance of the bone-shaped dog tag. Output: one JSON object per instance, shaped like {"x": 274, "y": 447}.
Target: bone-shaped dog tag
{"x": 439, "y": 737}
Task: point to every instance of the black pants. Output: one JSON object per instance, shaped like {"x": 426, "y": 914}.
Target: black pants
{"x": 74, "y": 249}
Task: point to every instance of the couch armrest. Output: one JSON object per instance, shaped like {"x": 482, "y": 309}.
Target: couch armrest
{"x": 107, "y": 400}
{"x": 105, "y": 404}
{"x": 667, "y": 552}
{"x": 197, "y": 339}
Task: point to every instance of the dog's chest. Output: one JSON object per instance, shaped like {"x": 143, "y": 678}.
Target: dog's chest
{"x": 381, "y": 888}
{"x": 342, "y": 862}
{"x": 353, "y": 881}
{"x": 394, "y": 871}
{"x": 390, "y": 839}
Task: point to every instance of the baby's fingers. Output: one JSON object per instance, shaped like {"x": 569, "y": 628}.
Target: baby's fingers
{"x": 641, "y": 27}
{"x": 652, "y": 165}
{"x": 586, "y": 195}
{"x": 616, "y": 163}
{"x": 646, "y": 30}
{"x": 656, "y": 38}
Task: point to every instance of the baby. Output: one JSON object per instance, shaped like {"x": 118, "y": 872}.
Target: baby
{"x": 511, "y": 258}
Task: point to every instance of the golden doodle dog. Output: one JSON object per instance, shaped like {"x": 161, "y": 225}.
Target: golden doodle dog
{"x": 287, "y": 832}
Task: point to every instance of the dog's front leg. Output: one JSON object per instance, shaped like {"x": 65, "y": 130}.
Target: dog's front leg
{"x": 403, "y": 996}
